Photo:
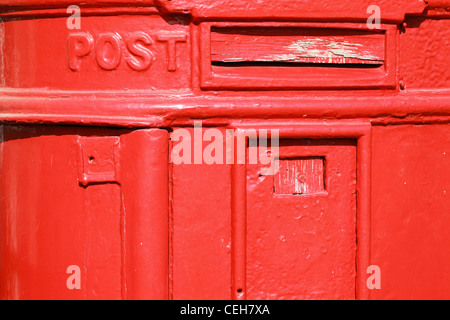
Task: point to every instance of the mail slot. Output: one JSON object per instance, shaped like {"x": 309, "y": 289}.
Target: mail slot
{"x": 217, "y": 150}
{"x": 296, "y": 56}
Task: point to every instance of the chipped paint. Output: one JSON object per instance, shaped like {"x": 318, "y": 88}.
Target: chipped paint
{"x": 317, "y": 47}
{"x": 297, "y": 46}
{"x": 300, "y": 176}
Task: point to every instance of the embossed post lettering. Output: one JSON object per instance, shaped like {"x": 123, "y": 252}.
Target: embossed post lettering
{"x": 137, "y": 49}
{"x": 110, "y": 48}
{"x": 79, "y": 45}
{"x": 108, "y": 51}
{"x": 172, "y": 39}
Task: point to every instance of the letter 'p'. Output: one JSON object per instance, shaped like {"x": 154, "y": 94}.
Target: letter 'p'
{"x": 79, "y": 45}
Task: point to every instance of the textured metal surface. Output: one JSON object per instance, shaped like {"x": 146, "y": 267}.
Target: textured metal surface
{"x": 300, "y": 176}
{"x": 110, "y": 230}
{"x": 303, "y": 247}
{"x": 87, "y": 118}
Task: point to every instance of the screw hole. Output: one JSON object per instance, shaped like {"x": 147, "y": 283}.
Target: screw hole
{"x": 91, "y": 159}
{"x": 239, "y": 290}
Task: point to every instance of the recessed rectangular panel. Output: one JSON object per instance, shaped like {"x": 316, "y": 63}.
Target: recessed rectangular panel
{"x": 410, "y": 211}
{"x": 296, "y": 46}
{"x": 201, "y": 226}
{"x": 288, "y": 56}
{"x": 303, "y": 247}
{"x": 300, "y": 176}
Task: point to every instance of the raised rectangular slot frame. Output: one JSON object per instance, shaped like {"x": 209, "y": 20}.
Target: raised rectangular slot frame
{"x": 266, "y": 56}
{"x": 267, "y": 46}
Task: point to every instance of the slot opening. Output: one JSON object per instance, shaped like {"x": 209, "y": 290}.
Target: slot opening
{"x": 234, "y": 47}
{"x": 283, "y": 64}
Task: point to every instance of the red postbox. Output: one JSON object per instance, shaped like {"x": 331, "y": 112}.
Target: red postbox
{"x": 128, "y": 133}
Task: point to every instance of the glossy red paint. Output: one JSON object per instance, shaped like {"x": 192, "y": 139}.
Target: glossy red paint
{"x": 112, "y": 231}
{"x": 86, "y": 176}
{"x": 307, "y": 238}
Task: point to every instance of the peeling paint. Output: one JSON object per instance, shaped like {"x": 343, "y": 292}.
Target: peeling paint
{"x": 236, "y": 45}
{"x": 317, "y": 47}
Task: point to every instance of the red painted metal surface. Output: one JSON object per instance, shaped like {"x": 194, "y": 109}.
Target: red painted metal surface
{"x": 51, "y": 219}
{"x": 307, "y": 238}
{"x": 93, "y": 205}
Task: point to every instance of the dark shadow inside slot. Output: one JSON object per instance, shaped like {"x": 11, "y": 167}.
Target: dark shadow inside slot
{"x": 236, "y": 64}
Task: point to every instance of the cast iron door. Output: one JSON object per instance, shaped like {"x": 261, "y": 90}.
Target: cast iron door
{"x": 301, "y": 239}
{"x": 287, "y": 235}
